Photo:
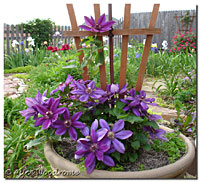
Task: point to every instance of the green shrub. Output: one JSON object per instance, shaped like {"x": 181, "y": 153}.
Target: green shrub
{"x": 40, "y": 30}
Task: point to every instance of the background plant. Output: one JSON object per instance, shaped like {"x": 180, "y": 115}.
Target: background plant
{"x": 40, "y": 30}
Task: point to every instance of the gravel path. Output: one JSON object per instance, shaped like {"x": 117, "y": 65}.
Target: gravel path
{"x": 13, "y": 87}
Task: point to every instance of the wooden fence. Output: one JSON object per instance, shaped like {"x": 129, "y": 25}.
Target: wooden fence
{"x": 165, "y": 20}
{"x": 11, "y": 33}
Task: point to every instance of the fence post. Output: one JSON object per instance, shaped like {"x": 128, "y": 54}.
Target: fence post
{"x": 7, "y": 39}
{"x": 22, "y": 37}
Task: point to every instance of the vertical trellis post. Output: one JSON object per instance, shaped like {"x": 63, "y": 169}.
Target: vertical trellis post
{"x": 77, "y": 39}
{"x": 111, "y": 46}
{"x": 102, "y": 68}
{"x": 147, "y": 47}
{"x": 124, "y": 52}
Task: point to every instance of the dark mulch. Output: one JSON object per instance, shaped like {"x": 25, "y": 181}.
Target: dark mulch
{"x": 147, "y": 159}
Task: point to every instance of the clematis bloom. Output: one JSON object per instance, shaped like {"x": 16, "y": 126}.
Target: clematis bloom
{"x": 100, "y": 26}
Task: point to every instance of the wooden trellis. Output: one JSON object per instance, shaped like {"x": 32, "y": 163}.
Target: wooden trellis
{"x": 125, "y": 32}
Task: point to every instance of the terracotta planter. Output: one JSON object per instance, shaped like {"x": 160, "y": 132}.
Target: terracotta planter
{"x": 66, "y": 169}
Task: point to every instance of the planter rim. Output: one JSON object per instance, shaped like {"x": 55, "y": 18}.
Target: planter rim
{"x": 168, "y": 171}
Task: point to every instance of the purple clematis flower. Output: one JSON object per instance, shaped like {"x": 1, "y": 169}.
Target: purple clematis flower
{"x": 69, "y": 124}
{"x": 86, "y": 92}
{"x": 93, "y": 148}
{"x": 155, "y": 133}
{"x": 62, "y": 86}
{"x": 50, "y": 113}
{"x": 111, "y": 90}
{"x": 100, "y": 26}
{"x": 31, "y": 103}
{"x": 137, "y": 103}
{"x": 116, "y": 133}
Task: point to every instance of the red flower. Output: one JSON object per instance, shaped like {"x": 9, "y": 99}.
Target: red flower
{"x": 175, "y": 37}
{"x": 54, "y": 49}
{"x": 174, "y": 42}
{"x": 183, "y": 47}
{"x": 178, "y": 49}
{"x": 190, "y": 30}
{"x": 49, "y": 48}
{"x": 182, "y": 35}
{"x": 65, "y": 47}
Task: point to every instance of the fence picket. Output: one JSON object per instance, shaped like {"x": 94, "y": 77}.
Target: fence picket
{"x": 7, "y": 39}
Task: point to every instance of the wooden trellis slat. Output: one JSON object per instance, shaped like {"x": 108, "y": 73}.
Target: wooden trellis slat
{"x": 137, "y": 31}
{"x": 124, "y": 50}
{"x": 102, "y": 68}
{"x": 77, "y": 39}
{"x": 147, "y": 47}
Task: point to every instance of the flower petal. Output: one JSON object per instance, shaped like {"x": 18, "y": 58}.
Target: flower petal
{"x": 94, "y": 125}
{"x": 85, "y": 27}
{"x": 94, "y": 136}
{"x": 99, "y": 155}
{"x": 126, "y": 108}
{"x": 104, "y": 124}
{"x": 84, "y": 98}
{"x": 101, "y": 19}
{"x": 89, "y": 21}
{"x": 66, "y": 114}
{"x": 136, "y": 112}
{"x": 101, "y": 133}
{"x": 76, "y": 116}
{"x": 91, "y": 167}
{"x": 107, "y": 160}
{"x": 61, "y": 131}
{"x": 85, "y": 131}
{"x": 78, "y": 124}
{"x": 143, "y": 93}
{"x": 118, "y": 146}
{"x": 72, "y": 133}
{"x": 39, "y": 121}
{"x": 134, "y": 103}
{"x": 89, "y": 159}
{"x": 107, "y": 24}
{"x": 55, "y": 105}
{"x": 119, "y": 125}
{"x": 60, "y": 110}
{"x": 144, "y": 106}
{"x": 77, "y": 92}
{"x": 123, "y": 134}
{"x": 91, "y": 85}
{"x": 38, "y": 97}
{"x": 46, "y": 124}
{"x": 41, "y": 109}
{"x": 30, "y": 102}
{"x": 99, "y": 92}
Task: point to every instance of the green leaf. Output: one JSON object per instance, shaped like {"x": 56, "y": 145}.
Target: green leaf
{"x": 133, "y": 157}
{"x": 99, "y": 58}
{"x": 141, "y": 137}
{"x": 132, "y": 118}
{"x": 120, "y": 104}
{"x": 147, "y": 147}
{"x": 35, "y": 142}
{"x": 187, "y": 121}
{"x": 153, "y": 124}
{"x": 116, "y": 155}
{"x": 135, "y": 145}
